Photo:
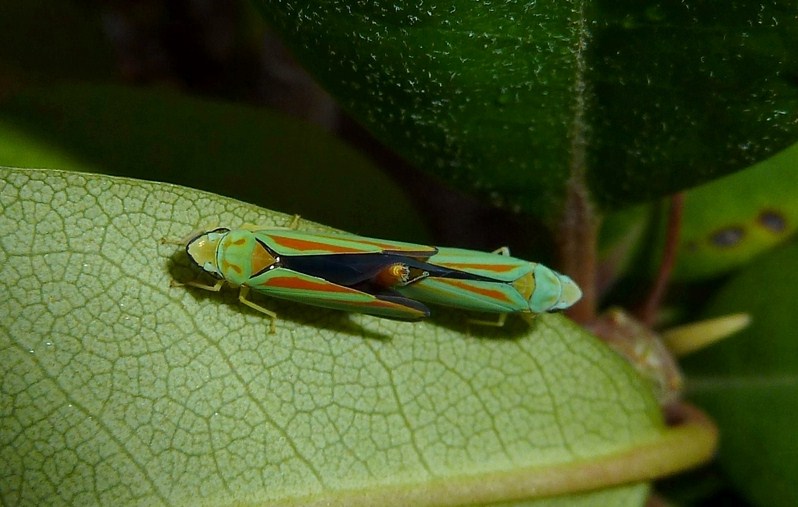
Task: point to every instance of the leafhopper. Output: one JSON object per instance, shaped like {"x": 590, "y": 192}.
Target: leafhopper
{"x": 390, "y": 279}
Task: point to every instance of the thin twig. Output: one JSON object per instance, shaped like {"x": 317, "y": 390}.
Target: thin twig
{"x": 648, "y": 312}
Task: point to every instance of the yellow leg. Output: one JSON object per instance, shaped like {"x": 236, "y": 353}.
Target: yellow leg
{"x": 502, "y": 250}
{"x": 294, "y": 222}
{"x": 424, "y": 274}
{"x": 204, "y": 286}
{"x": 242, "y": 296}
{"x": 499, "y": 322}
{"x": 529, "y": 317}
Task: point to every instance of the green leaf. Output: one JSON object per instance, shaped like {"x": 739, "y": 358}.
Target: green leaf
{"x": 686, "y": 92}
{"x": 725, "y": 223}
{"x": 518, "y": 100}
{"x": 118, "y": 389}
{"x": 749, "y": 382}
{"x": 732, "y": 220}
{"x": 255, "y": 155}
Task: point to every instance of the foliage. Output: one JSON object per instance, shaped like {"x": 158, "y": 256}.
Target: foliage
{"x": 119, "y": 389}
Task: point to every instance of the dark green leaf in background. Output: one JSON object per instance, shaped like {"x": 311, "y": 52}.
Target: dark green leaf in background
{"x": 256, "y": 155}
{"x": 688, "y": 91}
{"x": 513, "y": 98}
{"x": 749, "y": 383}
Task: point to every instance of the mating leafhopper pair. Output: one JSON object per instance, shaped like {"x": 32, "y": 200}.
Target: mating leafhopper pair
{"x": 389, "y": 279}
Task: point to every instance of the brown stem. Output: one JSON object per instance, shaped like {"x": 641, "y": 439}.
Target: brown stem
{"x": 577, "y": 232}
{"x": 648, "y": 312}
{"x": 577, "y": 238}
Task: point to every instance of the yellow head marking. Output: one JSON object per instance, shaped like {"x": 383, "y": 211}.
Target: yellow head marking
{"x": 227, "y": 266}
{"x": 202, "y": 250}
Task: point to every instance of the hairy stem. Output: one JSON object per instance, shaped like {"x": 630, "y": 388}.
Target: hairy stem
{"x": 577, "y": 238}
{"x": 577, "y": 232}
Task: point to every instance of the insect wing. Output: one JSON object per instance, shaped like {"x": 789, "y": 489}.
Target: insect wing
{"x": 471, "y": 280}
{"x": 290, "y": 242}
{"x": 386, "y": 246}
{"x": 477, "y": 295}
{"x": 484, "y": 264}
{"x": 350, "y": 270}
{"x": 302, "y": 288}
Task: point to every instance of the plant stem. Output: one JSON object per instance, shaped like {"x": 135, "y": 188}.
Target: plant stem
{"x": 648, "y": 312}
{"x": 577, "y": 238}
{"x": 577, "y": 232}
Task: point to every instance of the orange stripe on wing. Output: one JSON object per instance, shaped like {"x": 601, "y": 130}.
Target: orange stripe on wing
{"x": 386, "y": 246}
{"x": 496, "y": 268}
{"x": 421, "y": 249}
{"x": 305, "y": 244}
{"x": 292, "y": 282}
{"x": 380, "y": 303}
{"x": 289, "y": 282}
{"x": 493, "y": 294}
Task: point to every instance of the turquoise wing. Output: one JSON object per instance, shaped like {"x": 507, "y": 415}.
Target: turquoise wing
{"x": 476, "y": 295}
{"x": 291, "y": 242}
{"x": 485, "y": 264}
{"x": 295, "y": 286}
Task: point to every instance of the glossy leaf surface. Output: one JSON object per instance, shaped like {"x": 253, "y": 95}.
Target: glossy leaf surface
{"x": 515, "y": 99}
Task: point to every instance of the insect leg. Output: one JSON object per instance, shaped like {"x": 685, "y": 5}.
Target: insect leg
{"x": 242, "y": 296}
{"x": 294, "y": 222}
{"x": 502, "y": 250}
{"x": 420, "y": 276}
{"x": 399, "y": 274}
{"x": 499, "y": 322}
{"x": 529, "y": 317}
{"x": 204, "y": 286}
